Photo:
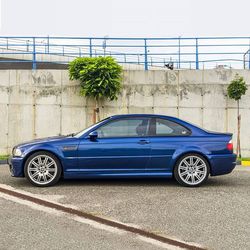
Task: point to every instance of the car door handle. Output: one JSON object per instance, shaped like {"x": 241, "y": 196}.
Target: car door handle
{"x": 143, "y": 142}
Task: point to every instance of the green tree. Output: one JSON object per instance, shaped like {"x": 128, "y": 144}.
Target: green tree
{"x": 235, "y": 90}
{"x": 100, "y": 78}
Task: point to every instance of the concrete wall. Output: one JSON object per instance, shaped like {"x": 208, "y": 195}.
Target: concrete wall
{"x": 41, "y": 103}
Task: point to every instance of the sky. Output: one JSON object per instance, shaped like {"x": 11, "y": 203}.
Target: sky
{"x": 125, "y": 18}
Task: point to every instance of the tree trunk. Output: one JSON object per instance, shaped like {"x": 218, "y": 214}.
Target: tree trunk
{"x": 96, "y": 112}
{"x": 238, "y": 149}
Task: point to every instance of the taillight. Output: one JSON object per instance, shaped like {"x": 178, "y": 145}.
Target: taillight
{"x": 230, "y": 146}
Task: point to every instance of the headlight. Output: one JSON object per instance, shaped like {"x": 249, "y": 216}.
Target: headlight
{"x": 17, "y": 152}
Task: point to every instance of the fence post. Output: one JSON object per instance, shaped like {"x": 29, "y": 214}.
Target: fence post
{"x": 27, "y": 44}
{"x": 90, "y": 47}
{"x": 145, "y": 54}
{"x": 248, "y": 59}
{"x": 104, "y": 45}
{"x": 34, "y": 54}
{"x": 48, "y": 44}
{"x": 125, "y": 59}
{"x": 179, "y": 52}
{"x": 196, "y": 53}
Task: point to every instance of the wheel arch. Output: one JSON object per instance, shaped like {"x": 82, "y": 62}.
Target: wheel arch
{"x": 175, "y": 160}
{"x": 42, "y": 150}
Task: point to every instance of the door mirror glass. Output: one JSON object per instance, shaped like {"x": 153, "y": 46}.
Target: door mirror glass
{"x": 93, "y": 135}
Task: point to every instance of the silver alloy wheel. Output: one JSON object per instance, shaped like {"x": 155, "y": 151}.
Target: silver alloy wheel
{"x": 42, "y": 169}
{"x": 192, "y": 170}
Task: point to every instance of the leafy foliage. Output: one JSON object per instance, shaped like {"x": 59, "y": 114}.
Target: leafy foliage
{"x": 76, "y": 66}
{"x": 237, "y": 88}
{"x": 100, "y": 77}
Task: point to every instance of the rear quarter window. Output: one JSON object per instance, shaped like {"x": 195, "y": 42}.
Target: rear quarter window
{"x": 164, "y": 127}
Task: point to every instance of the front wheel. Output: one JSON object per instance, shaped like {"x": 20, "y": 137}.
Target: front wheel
{"x": 191, "y": 170}
{"x": 42, "y": 169}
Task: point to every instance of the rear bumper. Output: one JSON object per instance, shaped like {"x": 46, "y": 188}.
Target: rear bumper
{"x": 222, "y": 164}
{"x": 16, "y": 166}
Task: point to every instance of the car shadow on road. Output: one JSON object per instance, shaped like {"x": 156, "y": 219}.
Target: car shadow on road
{"x": 212, "y": 182}
{"x": 160, "y": 182}
{"x": 118, "y": 182}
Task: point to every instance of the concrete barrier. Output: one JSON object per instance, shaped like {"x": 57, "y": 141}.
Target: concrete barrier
{"x": 44, "y": 103}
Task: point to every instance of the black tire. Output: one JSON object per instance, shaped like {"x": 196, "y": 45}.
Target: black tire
{"x": 185, "y": 170}
{"x": 43, "y": 165}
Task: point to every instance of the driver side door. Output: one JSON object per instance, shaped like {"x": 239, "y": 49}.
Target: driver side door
{"x": 122, "y": 145}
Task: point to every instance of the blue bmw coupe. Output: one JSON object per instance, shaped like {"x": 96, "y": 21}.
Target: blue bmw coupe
{"x": 135, "y": 145}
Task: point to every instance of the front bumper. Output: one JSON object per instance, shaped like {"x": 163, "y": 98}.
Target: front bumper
{"x": 222, "y": 164}
{"x": 16, "y": 166}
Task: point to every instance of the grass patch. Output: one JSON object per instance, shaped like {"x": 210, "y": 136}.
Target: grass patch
{"x": 244, "y": 159}
{"x": 3, "y": 157}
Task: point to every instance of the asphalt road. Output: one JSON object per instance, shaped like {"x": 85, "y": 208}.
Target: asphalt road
{"x": 216, "y": 216}
{"x": 26, "y": 228}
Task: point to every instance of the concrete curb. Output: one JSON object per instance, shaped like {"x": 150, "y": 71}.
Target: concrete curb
{"x": 245, "y": 163}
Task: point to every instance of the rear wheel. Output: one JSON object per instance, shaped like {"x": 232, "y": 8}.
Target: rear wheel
{"x": 43, "y": 169}
{"x": 191, "y": 170}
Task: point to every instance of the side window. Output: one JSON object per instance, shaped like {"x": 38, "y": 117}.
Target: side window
{"x": 163, "y": 127}
{"x": 124, "y": 128}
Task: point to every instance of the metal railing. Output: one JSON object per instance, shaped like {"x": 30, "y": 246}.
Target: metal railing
{"x": 178, "y": 53}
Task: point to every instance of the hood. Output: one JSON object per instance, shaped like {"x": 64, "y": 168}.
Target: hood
{"x": 42, "y": 140}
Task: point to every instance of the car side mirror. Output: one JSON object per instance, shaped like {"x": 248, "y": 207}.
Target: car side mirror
{"x": 93, "y": 135}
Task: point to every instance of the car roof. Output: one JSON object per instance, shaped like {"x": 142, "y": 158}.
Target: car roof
{"x": 145, "y": 115}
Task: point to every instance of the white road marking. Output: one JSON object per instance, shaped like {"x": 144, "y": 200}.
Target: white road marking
{"x": 31, "y": 204}
{"x": 94, "y": 224}
{"x": 98, "y": 225}
{"x": 158, "y": 243}
{"x": 89, "y": 222}
{"x": 49, "y": 198}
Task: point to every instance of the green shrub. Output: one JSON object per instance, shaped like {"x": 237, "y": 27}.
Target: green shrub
{"x": 100, "y": 77}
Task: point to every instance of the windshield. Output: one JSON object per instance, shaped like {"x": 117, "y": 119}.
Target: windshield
{"x": 79, "y": 134}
